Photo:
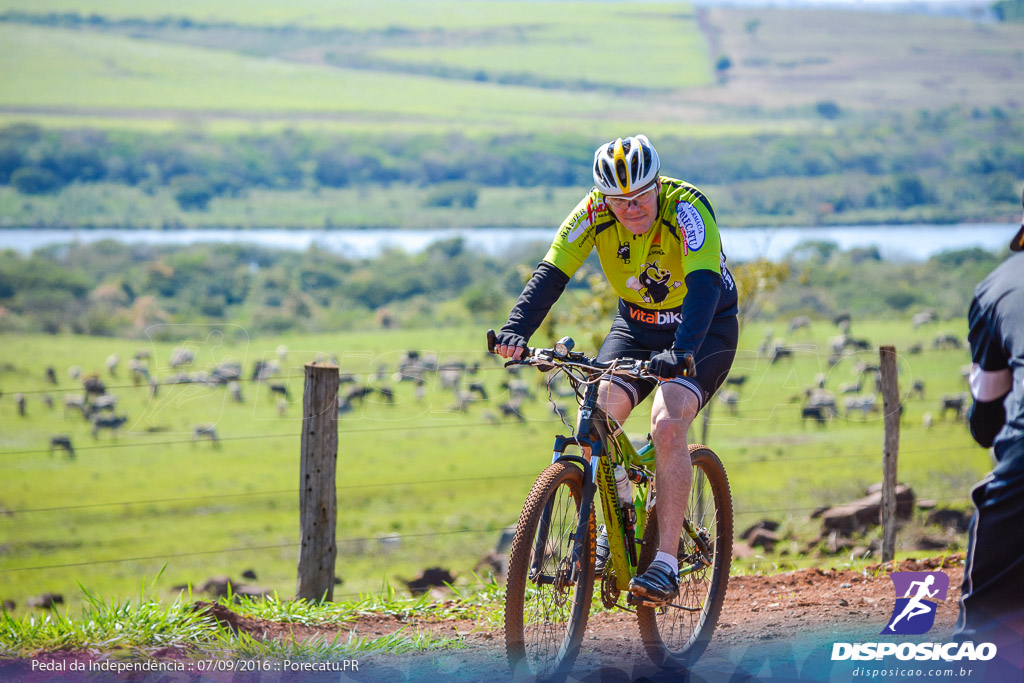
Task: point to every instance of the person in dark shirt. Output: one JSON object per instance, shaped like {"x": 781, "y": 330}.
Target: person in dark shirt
{"x": 992, "y": 594}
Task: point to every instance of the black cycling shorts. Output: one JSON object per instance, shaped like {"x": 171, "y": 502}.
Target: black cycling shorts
{"x": 630, "y": 339}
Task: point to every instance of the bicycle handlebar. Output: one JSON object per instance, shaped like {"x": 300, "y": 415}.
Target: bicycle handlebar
{"x": 547, "y": 359}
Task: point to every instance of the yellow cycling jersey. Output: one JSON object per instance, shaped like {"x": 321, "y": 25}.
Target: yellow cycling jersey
{"x": 648, "y": 270}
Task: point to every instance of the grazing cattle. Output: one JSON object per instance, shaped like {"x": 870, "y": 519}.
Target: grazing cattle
{"x": 955, "y": 402}
{"x": 265, "y": 369}
{"x": 450, "y": 376}
{"x": 799, "y": 322}
{"x": 278, "y": 388}
{"x": 228, "y": 371}
{"x": 852, "y": 387}
{"x": 917, "y": 389}
{"x": 51, "y": 374}
{"x": 779, "y": 351}
{"x": 816, "y": 413}
{"x": 861, "y": 404}
{"x": 182, "y": 356}
{"x": 915, "y": 349}
{"x": 947, "y": 341}
{"x": 736, "y": 381}
{"x": 99, "y": 404}
{"x": 111, "y": 422}
{"x": 142, "y": 354}
{"x": 62, "y": 441}
{"x": 820, "y": 398}
{"x": 73, "y": 402}
{"x": 205, "y": 431}
{"x": 112, "y": 362}
{"x": 387, "y": 394}
{"x": 924, "y": 317}
{"x": 94, "y": 386}
{"x": 511, "y": 409}
{"x": 357, "y": 394}
{"x": 518, "y": 390}
{"x": 858, "y": 344}
{"x": 731, "y": 399}
{"x": 138, "y": 370}
{"x": 843, "y": 321}
{"x": 478, "y": 389}
{"x": 235, "y": 389}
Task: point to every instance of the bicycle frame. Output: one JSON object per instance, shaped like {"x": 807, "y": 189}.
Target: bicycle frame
{"x": 596, "y": 433}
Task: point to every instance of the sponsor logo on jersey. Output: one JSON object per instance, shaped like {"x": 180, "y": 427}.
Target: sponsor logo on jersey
{"x": 583, "y": 219}
{"x": 652, "y": 282}
{"x": 691, "y": 224}
{"x": 623, "y": 252}
{"x": 660, "y": 318}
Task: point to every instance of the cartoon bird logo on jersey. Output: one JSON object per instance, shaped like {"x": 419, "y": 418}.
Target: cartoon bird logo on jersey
{"x": 652, "y": 283}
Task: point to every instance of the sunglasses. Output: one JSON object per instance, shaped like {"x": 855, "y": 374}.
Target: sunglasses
{"x": 626, "y": 202}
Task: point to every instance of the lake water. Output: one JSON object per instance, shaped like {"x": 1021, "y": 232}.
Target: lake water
{"x": 903, "y": 242}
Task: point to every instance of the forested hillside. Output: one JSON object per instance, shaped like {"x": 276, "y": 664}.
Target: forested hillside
{"x": 107, "y": 288}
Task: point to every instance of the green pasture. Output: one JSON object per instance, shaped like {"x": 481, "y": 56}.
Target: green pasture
{"x": 350, "y": 13}
{"x": 534, "y": 65}
{"x": 444, "y": 483}
{"x": 111, "y": 205}
{"x": 68, "y": 69}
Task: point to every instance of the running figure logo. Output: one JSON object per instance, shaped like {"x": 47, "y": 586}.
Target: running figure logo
{"x": 914, "y": 612}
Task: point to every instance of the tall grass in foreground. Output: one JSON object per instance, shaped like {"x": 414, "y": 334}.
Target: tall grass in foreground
{"x": 141, "y": 628}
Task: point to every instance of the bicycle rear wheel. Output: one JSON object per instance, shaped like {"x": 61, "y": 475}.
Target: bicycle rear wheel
{"x": 677, "y": 634}
{"x": 547, "y": 599}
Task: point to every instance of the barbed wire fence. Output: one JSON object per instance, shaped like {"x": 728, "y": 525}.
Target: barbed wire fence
{"x": 441, "y": 482}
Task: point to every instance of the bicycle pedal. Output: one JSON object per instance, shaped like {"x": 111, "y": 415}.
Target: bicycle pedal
{"x": 642, "y": 602}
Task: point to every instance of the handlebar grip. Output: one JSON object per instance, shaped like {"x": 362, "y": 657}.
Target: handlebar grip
{"x": 492, "y": 341}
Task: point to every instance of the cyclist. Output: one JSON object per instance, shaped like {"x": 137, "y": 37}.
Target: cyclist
{"x": 992, "y": 593}
{"x": 658, "y": 244}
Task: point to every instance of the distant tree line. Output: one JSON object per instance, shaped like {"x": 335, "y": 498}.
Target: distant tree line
{"x": 109, "y": 288}
{"x": 942, "y": 159}
{"x": 1009, "y": 10}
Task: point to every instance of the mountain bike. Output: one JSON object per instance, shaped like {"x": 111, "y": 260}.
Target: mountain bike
{"x": 551, "y": 574}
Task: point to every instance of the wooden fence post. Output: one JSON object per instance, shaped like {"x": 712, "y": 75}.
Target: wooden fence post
{"x": 891, "y": 410}
{"x": 318, "y": 507}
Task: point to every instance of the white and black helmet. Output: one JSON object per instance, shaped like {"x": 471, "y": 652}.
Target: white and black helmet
{"x": 624, "y": 166}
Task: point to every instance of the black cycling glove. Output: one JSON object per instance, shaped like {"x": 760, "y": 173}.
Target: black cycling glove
{"x": 671, "y": 363}
{"x": 504, "y": 338}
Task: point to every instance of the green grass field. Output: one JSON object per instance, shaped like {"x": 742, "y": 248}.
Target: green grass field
{"x": 485, "y": 67}
{"x": 446, "y": 483}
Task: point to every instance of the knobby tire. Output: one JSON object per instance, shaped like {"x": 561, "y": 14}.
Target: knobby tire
{"x": 545, "y": 622}
{"x": 674, "y": 638}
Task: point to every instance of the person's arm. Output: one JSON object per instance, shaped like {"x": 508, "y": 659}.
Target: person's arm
{"x": 703, "y": 287}
{"x": 537, "y": 298}
{"x": 990, "y": 378}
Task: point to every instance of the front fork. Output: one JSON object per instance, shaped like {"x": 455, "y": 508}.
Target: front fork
{"x": 566, "y": 575}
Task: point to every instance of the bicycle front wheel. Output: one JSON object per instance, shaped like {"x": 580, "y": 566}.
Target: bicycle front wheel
{"x": 548, "y": 594}
{"x": 677, "y": 634}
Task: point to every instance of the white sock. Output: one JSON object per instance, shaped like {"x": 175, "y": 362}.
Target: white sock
{"x": 668, "y": 560}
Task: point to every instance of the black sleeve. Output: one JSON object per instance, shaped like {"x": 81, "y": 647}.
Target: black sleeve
{"x": 986, "y": 419}
{"x": 539, "y": 295}
{"x": 703, "y": 287}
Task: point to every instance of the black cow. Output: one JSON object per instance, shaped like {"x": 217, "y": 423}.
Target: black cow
{"x": 111, "y": 422}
